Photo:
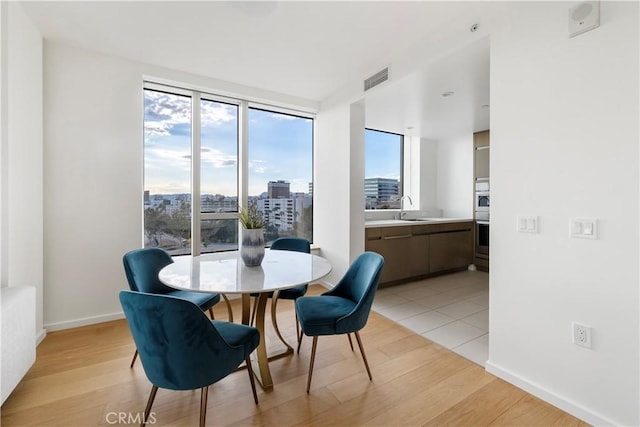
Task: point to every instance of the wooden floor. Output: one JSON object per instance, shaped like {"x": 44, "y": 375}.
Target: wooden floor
{"x": 82, "y": 378}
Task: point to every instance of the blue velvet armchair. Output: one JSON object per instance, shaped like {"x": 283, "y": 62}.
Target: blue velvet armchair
{"x": 142, "y": 267}
{"x": 181, "y": 349}
{"x": 345, "y": 308}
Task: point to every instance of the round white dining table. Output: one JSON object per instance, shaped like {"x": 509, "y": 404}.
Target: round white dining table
{"x": 224, "y": 272}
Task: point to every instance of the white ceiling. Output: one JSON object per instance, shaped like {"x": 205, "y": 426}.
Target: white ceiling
{"x": 304, "y": 49}
{"x": 415, "y": 104}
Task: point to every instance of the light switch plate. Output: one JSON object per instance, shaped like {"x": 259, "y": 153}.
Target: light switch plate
{"x": 583, "y": 228}
{"x": 528, "y": 223}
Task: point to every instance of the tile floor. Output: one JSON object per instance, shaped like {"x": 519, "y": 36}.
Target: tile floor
{"x": 452, "y": 310}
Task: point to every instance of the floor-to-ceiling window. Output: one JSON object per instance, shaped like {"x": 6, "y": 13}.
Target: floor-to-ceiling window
{"x": 205, "y": 156}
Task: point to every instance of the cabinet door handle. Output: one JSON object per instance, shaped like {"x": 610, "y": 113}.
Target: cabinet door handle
{"x": 403, "y": 236}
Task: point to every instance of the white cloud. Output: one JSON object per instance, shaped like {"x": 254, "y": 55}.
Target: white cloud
{"x": 279, "y": 116}
{"x": 163, "y": 112}
{"x": 213, "y": 113}
{"x": 257, "y": 166}
{"x": 217, "y": 158}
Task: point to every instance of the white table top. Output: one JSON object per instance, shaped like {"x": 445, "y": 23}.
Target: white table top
{"x": 224, "y": 272}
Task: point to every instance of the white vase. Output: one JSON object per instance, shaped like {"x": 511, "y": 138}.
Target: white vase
{"x": 252, "y": 247}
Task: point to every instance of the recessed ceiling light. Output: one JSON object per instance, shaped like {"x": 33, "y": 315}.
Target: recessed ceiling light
{"x": 447, "y": 94}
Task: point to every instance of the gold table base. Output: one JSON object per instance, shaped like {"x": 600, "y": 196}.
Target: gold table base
{"x": 262, "y": 358}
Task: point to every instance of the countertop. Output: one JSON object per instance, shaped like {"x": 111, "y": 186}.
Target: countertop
{"x": 419, "y": 221}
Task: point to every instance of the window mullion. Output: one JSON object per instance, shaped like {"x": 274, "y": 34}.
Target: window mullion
{"x": 195, "y": 175}
{"x": 243, "y": 141}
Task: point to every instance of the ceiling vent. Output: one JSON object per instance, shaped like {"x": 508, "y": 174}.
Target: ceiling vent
{"x": 378, "y": 78}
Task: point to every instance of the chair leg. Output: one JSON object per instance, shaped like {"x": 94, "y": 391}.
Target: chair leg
{"x": 147, "y": 410}
{"x": 251, "y": 379}
{"x": 366, "y": 364}
{"x": 298, "y": 335}
{"x": 203, "y": 405}
{"x": 313, "y": 357}
{"x": 229, "y": 309}
{"x": 135, "y": 356}
{"x": 300, "y": 340}
{"x": 350, "y": 342}
{"x": 211, "y": 313}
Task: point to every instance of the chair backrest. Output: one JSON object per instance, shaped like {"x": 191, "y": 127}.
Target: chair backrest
{"x": 142, "y": 267}
{"x": 179, "y": 347}
{"x": 294, "y": 244}
{"x": 359, "y": 284}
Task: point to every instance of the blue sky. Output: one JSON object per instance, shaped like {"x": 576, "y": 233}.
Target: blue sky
{"x": 382, "y": 155}
{"x": 280, "y": 148}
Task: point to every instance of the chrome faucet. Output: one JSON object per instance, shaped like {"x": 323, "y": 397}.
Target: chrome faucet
{"x": 402, "y": 212}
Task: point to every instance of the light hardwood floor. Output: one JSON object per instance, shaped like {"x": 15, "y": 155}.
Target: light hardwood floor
{"x": 82, "y": 378}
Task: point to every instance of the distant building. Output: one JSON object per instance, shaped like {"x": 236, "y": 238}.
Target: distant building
{"x": 302, "y": 201}
{"x": 218, "y": 203}
{"x": 278, "y": 212}
{"x": 378, "y": 191}
{"x": 311, "y": 189}
{"x": 278, "y": 189}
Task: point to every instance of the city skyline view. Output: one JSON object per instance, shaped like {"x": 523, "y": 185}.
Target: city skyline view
{"x": 278, "y": 149}
{"x": 275, "y": 152}
{"x": 279, "y": 154}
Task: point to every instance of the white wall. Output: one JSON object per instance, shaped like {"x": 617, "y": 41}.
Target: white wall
{"x": 420, "y": 173}
{"x": 357, "y": 113}
{"x": 338, "y": 186}
{"x": 93, "y": 170}
{"x": 4, "y": 161}
{"x": 21, "y": 176}
{"x": 455, "y": 176}
{"x": 564, "y": 143}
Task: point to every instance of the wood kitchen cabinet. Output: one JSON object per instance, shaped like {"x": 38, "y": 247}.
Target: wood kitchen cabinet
{"x": 392, "y": 243}
{"x": 419, "y": 250}
{"x": 451, "y": 250}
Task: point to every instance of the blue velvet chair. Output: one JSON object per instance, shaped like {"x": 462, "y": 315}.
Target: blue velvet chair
{"x": 294, "y": 244}
{"x": 142, "y": 267}
{"x": 181, "y": 349}
{"x": 345, "y": 308}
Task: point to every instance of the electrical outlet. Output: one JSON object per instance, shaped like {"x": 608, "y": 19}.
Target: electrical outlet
{"x": 581, "y": 335}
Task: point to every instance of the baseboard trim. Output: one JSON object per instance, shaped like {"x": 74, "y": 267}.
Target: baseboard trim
{"x": 325, "y": 284}
{"x": 548, "y": 396}
{"x": 76, "y": 323}
{"x": 41, "y": 336}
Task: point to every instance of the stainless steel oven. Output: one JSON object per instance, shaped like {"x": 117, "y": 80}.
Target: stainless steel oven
{"x": 482, "y": 239}
{"x": 482, "y": 201}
